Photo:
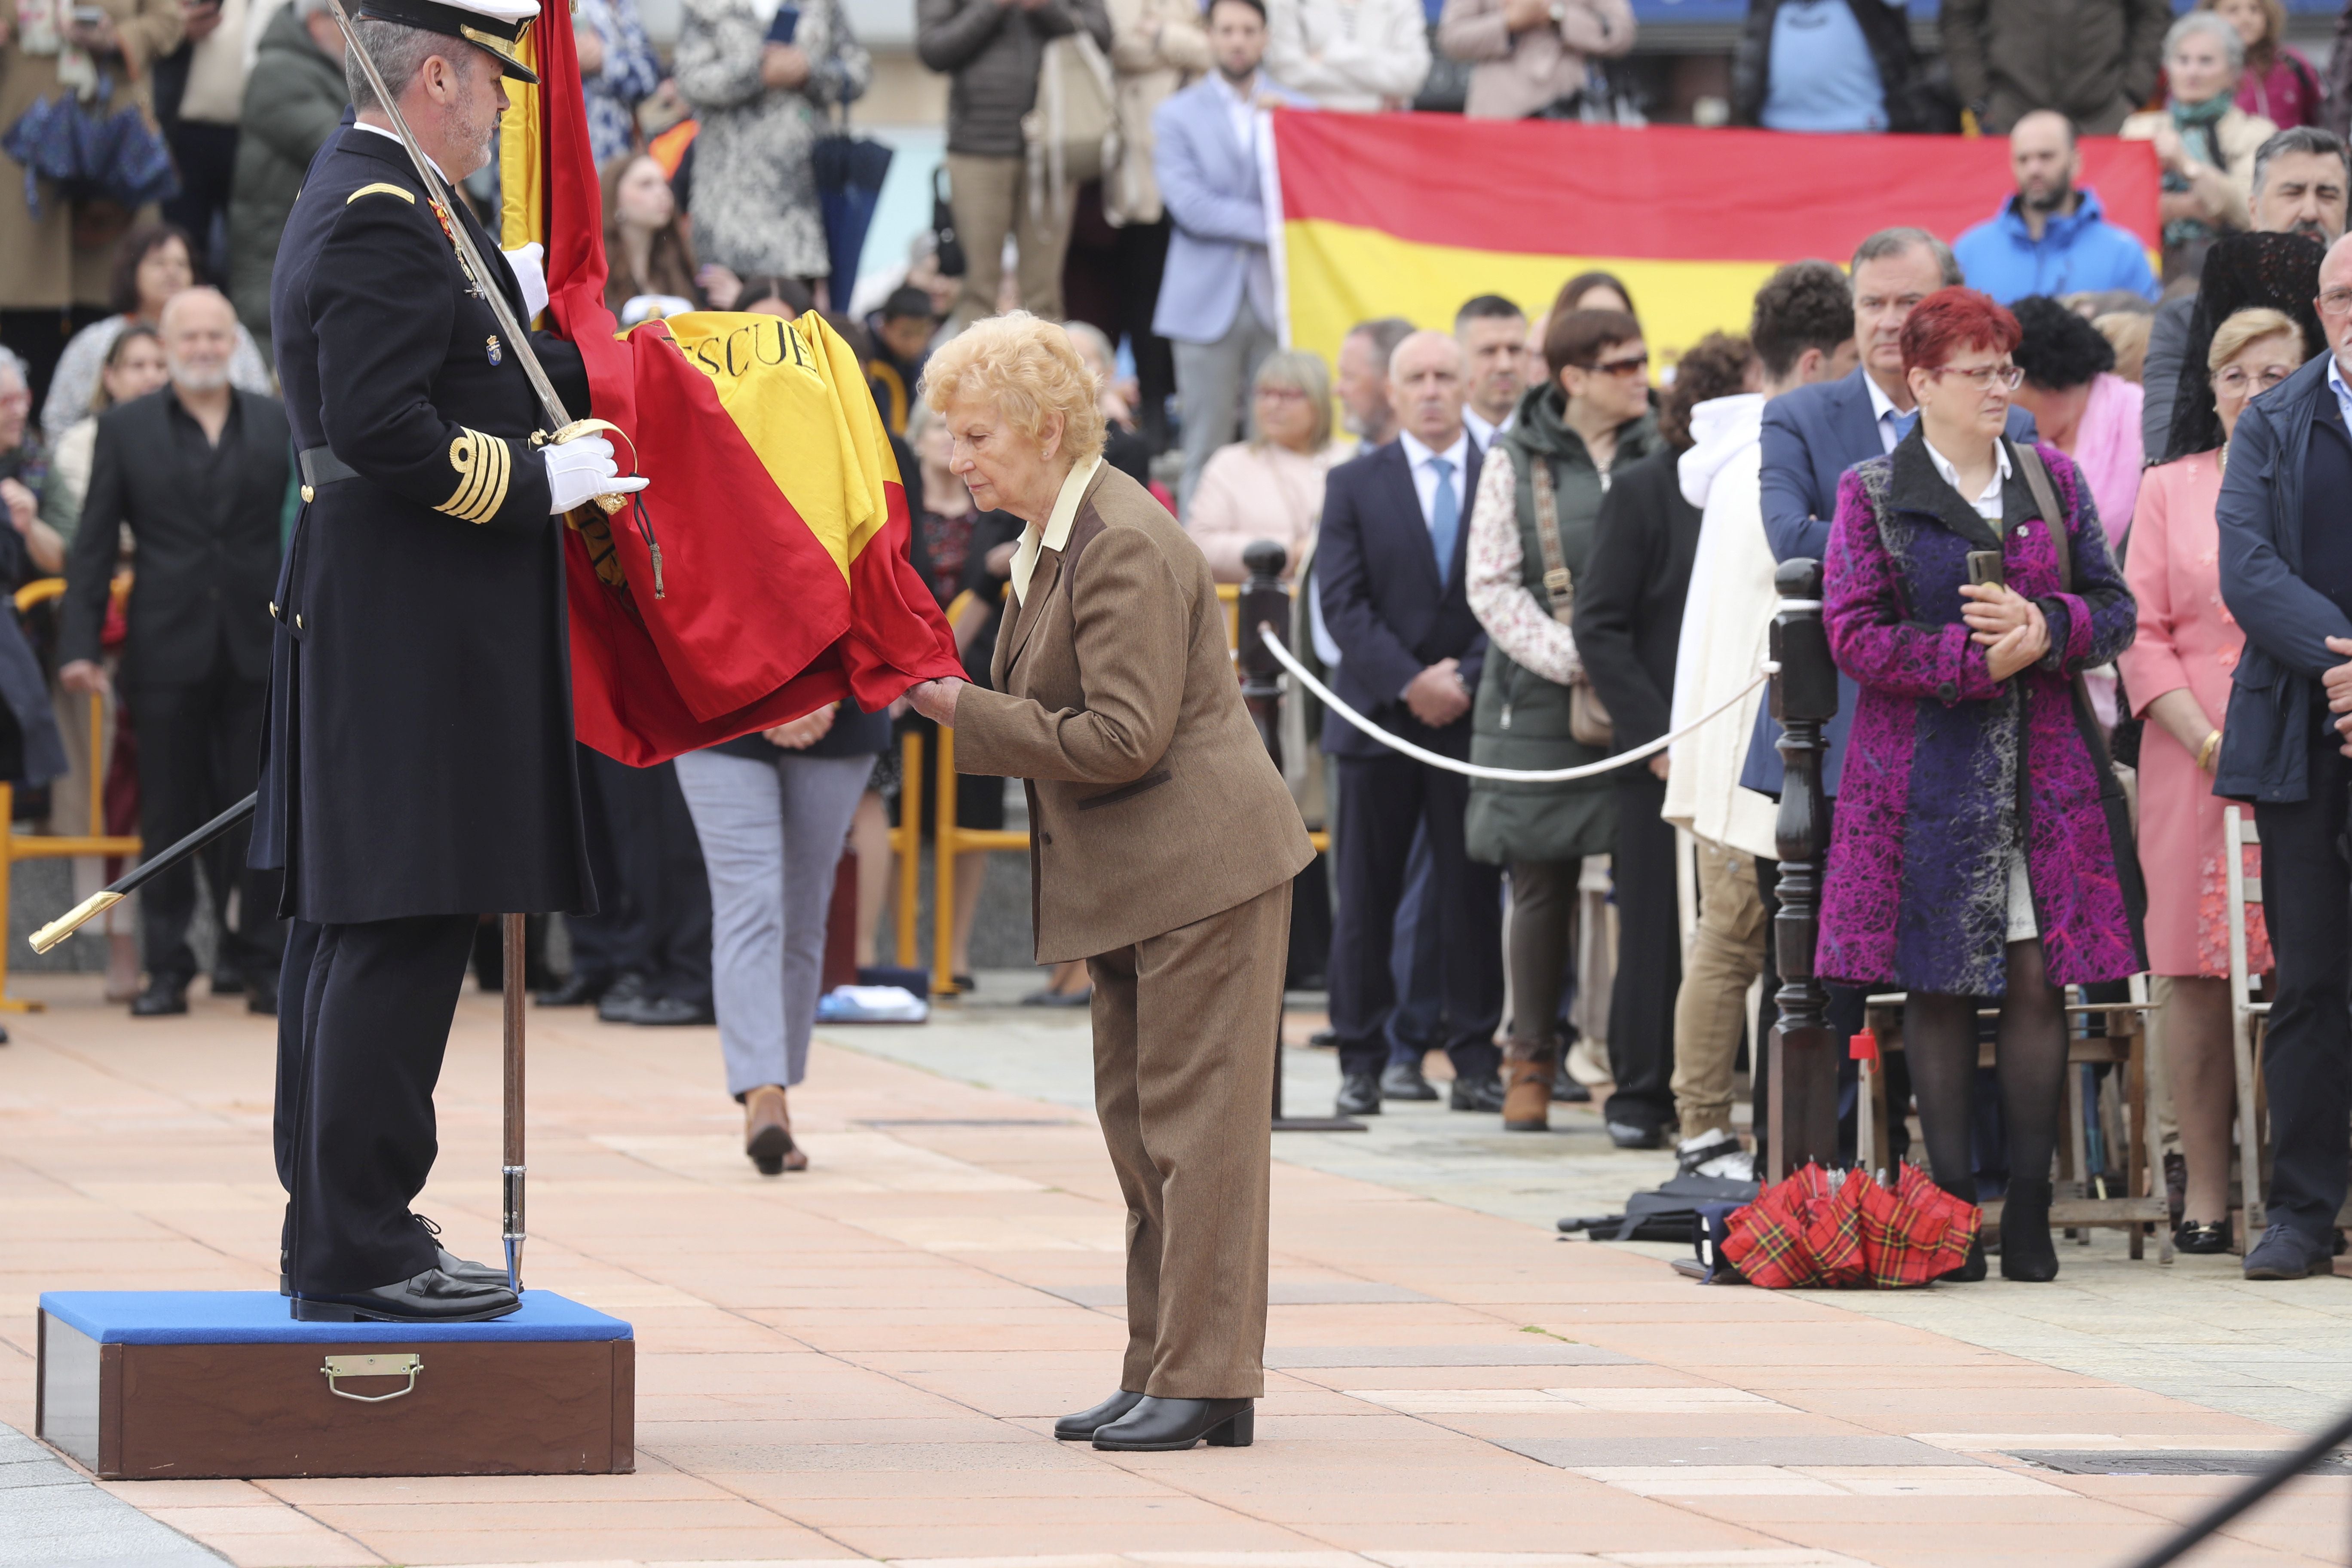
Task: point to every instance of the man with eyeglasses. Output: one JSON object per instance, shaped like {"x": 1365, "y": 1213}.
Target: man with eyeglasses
{"x": 1811, "y": 438}
{"x": 2286, "y": 746}
{"x": 2300, "y": 181}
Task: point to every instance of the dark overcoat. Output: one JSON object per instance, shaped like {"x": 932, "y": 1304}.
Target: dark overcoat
{"x": 420, "y": 755}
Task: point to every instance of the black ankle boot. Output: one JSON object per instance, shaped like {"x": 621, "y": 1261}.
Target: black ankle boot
{"x": 2027, "y": 1252}
{"x": 1973, "y": 1268}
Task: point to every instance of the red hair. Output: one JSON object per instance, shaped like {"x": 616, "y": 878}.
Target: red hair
{"x": 1954, "y": 318}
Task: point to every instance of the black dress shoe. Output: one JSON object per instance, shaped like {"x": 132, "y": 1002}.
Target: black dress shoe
{"x": 578, "y": 991}
{"x": 261, "y": 998}
{"x": 659, "y": 1011}
{"x": 1566, "y": 1090}
{"x": 1083, "y": 1425}
{"x": 228, "y": 984}
{"x": 1359, "y": 1094}
{"x": 1626, "y": 1135}
{"x": 1484, "y": 1093}
{"x": 2202, "y": 1236}
{"x": 457, "y": 1267}
{"x": 166, "y": 995}
{"x": 1158, "y": 1426}
{"x": 2026, "y": 1253}
{"x": 1403, "y": 1081}
{"x": 431, "y": 1296}
{"x": 623, "y": 993}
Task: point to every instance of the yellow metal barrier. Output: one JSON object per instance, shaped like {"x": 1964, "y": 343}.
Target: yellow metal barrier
{"x": 14, "y": 846}
{"x": 948, "y": 842}
{"x": 906, "y": 842}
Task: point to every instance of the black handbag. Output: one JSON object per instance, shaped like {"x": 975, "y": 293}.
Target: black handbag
{"x": 950, "y": 249}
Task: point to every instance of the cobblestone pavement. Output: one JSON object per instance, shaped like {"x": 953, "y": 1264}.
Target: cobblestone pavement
{"x": 861, "y": 1363}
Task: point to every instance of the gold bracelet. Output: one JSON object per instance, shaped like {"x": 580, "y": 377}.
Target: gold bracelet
{"x": 2205, "y": 752}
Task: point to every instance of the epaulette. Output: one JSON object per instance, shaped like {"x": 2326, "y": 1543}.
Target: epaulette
{"x": 388, "y": 190}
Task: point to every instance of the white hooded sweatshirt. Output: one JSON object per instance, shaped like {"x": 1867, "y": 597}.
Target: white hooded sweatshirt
{"x": 1727, "y": 628}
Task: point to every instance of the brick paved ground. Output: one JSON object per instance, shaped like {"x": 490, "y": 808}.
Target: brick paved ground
{"x": 863, "y": 1361}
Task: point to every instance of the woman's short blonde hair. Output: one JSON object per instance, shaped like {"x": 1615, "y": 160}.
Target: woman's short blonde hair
{"x": 1296, "y": 370}
{"x": 1029, "y": 370}
{"x": 2246, "y": 328}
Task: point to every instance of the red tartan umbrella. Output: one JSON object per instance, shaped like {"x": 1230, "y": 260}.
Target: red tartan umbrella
{"x": 1820, "y": 1229}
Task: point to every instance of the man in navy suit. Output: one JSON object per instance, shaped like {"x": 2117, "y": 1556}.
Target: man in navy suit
{"x": 1389, "y": 565}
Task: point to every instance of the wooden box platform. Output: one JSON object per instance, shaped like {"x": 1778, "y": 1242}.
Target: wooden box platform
{"x": 153, "y": 1385}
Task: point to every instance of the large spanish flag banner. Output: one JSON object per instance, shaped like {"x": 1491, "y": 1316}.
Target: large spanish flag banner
{"x": 1412, "y": 214}
{"x": 763, "y": 573}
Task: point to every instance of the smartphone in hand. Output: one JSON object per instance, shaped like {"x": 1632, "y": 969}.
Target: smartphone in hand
{"x": 786, "y": 23}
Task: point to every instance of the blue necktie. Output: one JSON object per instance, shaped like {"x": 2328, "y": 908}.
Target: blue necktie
{"x": 1444, "y": 517}
{"x": 1903, "y": 423}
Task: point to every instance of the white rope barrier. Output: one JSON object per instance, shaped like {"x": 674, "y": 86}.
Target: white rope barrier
{"x": 1477, "y": 770}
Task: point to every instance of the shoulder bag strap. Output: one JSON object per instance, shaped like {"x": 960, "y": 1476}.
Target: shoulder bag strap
{"x": 2045, "y": 502}
{"x": 1558, "y": 586}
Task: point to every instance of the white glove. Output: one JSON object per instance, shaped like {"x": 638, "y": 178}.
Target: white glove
{"x": 578, "y": 470}
{"x": 530, "y": 272}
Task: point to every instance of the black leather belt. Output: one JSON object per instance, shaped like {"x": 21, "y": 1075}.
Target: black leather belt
{"x": 321, "y": 467}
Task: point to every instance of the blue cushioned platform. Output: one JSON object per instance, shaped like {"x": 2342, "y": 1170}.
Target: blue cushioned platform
{"x": 260, "y": 1317}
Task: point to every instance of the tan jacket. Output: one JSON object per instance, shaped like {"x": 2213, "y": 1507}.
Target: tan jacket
{"x": 1516, "y": 74}
{"x": 1150, "y": 67}
{"x": 2228, "y": 191}
{"x": 40, "y": 265}
{"x": 1153, "y": 802}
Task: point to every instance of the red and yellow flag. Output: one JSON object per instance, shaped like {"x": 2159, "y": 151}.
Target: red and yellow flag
{"x": 775, "y": 504}
{"x": 1412, "y": 214}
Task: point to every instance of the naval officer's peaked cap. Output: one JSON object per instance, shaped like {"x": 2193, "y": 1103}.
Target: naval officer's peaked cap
{"x": 496, "y": 26}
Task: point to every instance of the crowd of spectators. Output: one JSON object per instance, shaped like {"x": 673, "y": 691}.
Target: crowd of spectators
{"x": 1520, "y": 539}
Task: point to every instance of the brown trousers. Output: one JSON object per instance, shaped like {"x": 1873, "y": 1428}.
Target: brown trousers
{"x": 1710, "y": 1011}
{"x": 990, "y": 197}
{"x": 1185, "y": 1029}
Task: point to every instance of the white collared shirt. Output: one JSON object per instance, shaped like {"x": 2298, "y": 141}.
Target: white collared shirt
{"x": 1424, "y": 476}
{"x": 1882, "y": 414}
{"x": 2343, "y": 393}
{"x": 391, "y": 135}
{"x": 1055, "y": 535}
{"x": 1481, "y": 432}
{"x": 1240, "y": 111}
{"x": 1989, "y": 504}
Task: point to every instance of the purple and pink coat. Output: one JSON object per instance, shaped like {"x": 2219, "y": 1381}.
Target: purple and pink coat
{"x": 1948, "y": 768}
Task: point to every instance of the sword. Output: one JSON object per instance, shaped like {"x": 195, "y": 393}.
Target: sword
{"x": 122, "y": 887}
{"x": 566, "y": 427}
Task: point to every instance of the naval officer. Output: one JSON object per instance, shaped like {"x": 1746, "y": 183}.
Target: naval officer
{"x": 419, "y": 768}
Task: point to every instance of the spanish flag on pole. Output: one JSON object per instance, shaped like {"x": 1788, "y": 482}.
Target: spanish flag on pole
{"x": 1412, "y": 214}
{"x": 766, "y": 573}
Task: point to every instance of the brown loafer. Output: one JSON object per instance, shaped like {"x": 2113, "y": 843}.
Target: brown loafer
{"x": 768, "y": 1132}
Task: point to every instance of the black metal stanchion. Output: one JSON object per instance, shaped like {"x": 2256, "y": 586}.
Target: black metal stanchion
{"x": 1803, "y": 1073}
{"x": 1266, "y": 602}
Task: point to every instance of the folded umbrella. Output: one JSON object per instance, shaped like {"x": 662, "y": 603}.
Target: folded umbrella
{"x": 1818, "y": 1229}
{"x": 849, "y": 174}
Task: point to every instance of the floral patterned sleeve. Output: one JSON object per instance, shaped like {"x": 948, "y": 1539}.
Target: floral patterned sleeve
{"x": 1515, "y": 622}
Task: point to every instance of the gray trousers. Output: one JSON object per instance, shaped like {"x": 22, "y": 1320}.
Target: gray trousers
{"x": 1212, "y": 381}
{"x": 773, "y": 834}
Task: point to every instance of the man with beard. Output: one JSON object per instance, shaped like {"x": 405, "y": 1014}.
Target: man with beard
{"x": 2300, "y": 178}
{"x": 419, "y": 771}
{"x": 198, "y": 473}
{"x": 2051, "y": 237}
{"x": 1362, "y": 384}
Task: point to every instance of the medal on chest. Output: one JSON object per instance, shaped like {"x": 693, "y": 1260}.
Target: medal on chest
{"x": 473, "y": 285}
{"x": 494, "y": 353}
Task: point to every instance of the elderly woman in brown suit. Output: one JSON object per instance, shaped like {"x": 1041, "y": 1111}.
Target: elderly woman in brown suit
{"x": 1163, "y": 843}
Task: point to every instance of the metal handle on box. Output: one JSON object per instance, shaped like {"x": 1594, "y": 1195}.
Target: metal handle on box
{"x": 373, "y": 1366}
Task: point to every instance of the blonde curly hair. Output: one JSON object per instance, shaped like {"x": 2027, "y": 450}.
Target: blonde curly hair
{"x": 1029, "y": 370}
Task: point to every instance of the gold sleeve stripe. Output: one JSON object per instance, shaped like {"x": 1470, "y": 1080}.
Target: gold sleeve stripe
{"x": 484, "y": 465}
{"x": 380, "y": 189}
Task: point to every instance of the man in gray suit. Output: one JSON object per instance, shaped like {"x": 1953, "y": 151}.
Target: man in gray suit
{"x": 1216, "y": 298}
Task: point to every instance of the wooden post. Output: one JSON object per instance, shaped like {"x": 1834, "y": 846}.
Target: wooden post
{"x": 1804, "y": 1069}
{"x": 1266, "y": 601}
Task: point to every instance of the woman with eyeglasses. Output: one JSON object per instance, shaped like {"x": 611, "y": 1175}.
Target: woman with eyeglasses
{"x": 1576, "y": 429}
{"x": 1270, "y": 486}
{"x": 1981, "y": 853}
{"x": 2177, "y": 672}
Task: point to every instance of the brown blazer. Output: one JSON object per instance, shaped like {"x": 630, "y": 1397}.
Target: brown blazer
{"x": 1152, "y": 803}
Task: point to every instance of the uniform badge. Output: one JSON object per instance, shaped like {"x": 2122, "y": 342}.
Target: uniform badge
{"x": 495, "y": 354}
